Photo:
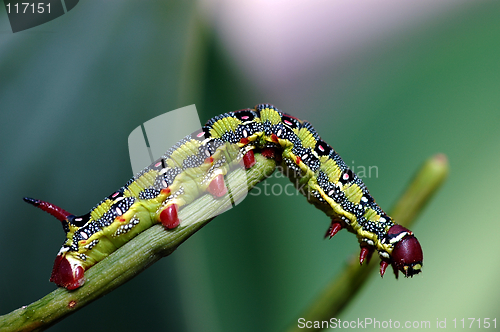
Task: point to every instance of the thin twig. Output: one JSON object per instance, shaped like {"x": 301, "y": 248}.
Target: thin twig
{"x": 134, "y": 257}
{"x": 343, "y": 287}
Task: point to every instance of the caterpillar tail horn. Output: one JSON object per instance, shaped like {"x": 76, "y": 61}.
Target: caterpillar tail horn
{"x": 67, "y": 272}
{"x": 54, "y": 210}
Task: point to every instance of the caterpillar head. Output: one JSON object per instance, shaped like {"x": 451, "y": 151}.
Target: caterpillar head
{"x": 407, "y": 255}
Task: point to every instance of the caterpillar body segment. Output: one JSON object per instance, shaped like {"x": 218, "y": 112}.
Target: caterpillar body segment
{"x": 192, "y": 167}
{"x": 198, "y": 163}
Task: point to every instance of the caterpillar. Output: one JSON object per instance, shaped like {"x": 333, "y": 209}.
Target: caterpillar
{"x": 198, "y": 164}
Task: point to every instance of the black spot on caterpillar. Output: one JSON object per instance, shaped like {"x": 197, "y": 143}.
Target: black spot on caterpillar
{"x": 198, "y": 164}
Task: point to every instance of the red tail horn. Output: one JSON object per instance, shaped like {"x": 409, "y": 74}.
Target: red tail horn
{"x": 50, "y": 208}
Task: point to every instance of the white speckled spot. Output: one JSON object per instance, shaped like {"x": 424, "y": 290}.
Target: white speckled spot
{"x": 384, "y": 254}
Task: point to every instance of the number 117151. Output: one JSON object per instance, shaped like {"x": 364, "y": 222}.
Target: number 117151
{"x": 472, "y": 322}
{"x": 32, "y": 7}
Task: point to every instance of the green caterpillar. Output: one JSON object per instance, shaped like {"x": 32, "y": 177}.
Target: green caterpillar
{"x": 198, "y": 164}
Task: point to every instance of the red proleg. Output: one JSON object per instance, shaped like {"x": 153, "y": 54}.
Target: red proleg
{"x": 249, "y": 159}
{"x": 169, "y": 218}
{"x": 217, "y": 187}
{"x": 65, "y": 275}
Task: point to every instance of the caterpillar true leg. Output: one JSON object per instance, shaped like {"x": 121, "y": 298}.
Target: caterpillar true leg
{"x": 334, "y": 228}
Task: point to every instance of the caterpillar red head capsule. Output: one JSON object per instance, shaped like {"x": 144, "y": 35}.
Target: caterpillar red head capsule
{"x": 407, "y": 255}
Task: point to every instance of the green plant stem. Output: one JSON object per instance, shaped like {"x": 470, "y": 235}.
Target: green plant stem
{"x": 134, "y": 257}
{"x": 343, "y": 287}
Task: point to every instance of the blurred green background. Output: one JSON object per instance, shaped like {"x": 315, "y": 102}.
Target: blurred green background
{"x": 73, "y": 89}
